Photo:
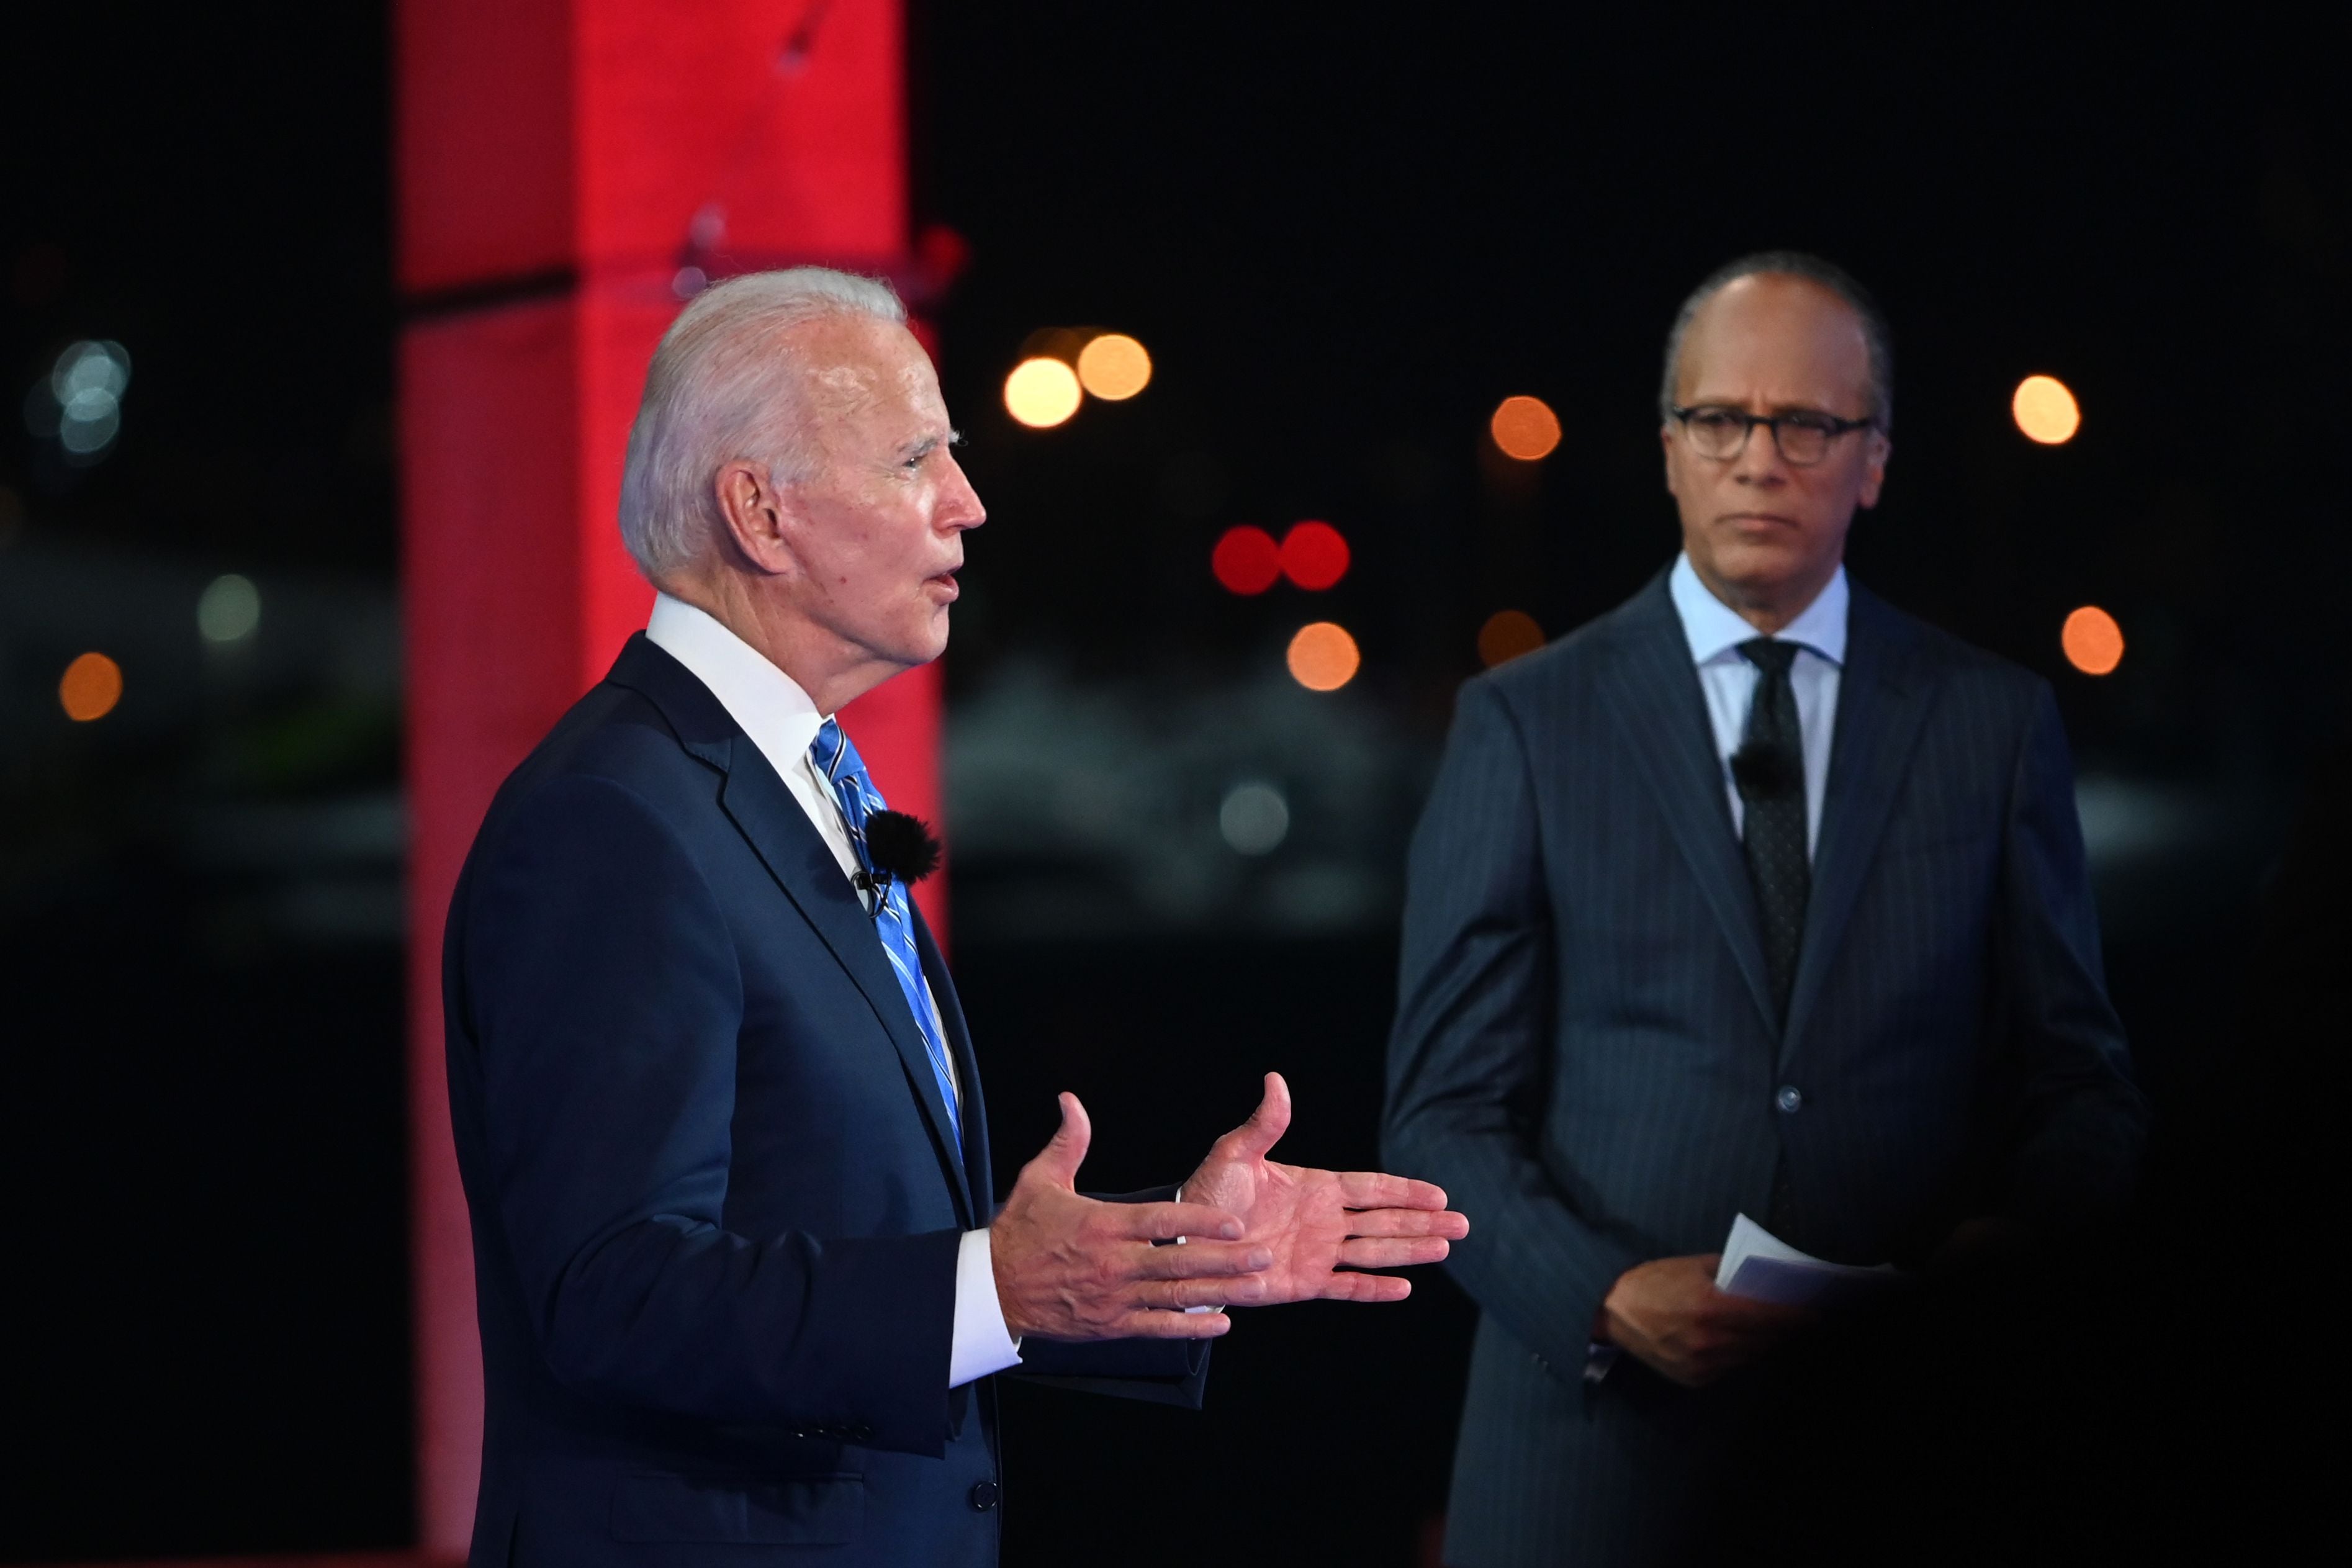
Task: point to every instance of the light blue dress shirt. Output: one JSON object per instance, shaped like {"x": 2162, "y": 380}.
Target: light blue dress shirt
{"x": 1715, "y": 631}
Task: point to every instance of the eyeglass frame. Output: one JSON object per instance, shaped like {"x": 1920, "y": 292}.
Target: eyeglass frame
{"x": 1832, "y": 427}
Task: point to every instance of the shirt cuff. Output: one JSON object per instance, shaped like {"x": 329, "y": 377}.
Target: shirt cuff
{"x": 981, "y": 1344}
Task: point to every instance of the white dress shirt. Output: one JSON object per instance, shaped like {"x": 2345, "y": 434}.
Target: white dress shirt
{"x": 782, "y": 721}
{"x": 1715, "y": 631}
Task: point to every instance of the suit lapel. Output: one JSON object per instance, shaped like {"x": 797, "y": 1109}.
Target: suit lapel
{"x": 1884, "y": 696}
{"x": 788, "y": 844}
{"x": 1656, "y": 699}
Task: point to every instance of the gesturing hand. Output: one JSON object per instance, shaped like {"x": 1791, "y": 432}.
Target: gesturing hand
{"x": 1314, "y": 1222}
{"x": 1071, "y": 1267}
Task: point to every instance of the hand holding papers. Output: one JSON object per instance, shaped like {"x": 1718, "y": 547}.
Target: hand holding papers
{"x": 1760, "y": 1267}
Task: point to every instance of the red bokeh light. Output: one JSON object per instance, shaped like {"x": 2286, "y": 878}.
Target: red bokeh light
{"x": 1314, "y": 555}
{"x": 1246, "y": 560}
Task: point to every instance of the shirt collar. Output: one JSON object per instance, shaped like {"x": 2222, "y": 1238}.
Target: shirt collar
{"x": 1713, "y": 628}
{"x": 769, "y": 704}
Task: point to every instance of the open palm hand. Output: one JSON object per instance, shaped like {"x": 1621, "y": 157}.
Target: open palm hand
{"x": 1321, "y": 1226}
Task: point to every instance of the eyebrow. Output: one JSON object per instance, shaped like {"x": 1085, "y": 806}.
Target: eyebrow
{"x": 930, "y": 444}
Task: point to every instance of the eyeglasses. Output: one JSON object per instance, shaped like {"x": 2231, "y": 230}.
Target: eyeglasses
{"x": 1803, "y": 437}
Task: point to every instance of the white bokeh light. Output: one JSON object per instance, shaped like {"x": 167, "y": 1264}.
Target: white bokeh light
{"x": 1254, "y": 818}
{"x": 229, "y": 609}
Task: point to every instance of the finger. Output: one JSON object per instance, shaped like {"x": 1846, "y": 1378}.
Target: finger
{"x": 1166, "y": 1222}
{"x": 1266, "y": 1125}
{"x": 1401, "y": 1253}
{"x": 1408, "y": 1222}
{"x": 1745, "y": 1310}
{"x": 1366, "y": 1288}
{"x": 1176, "y": 1295}
{"x": 1201, "y": 1260}
{"x": 1058, "y": 1161}
{"x": 1753, "y": 1328}
{"x": 1379, "y": 1190}
{"x": 1150, "y": 1325}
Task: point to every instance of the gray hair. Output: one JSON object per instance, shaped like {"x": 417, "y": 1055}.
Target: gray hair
{"x": 721, "y": 388}
{"x": 1813, "y": 269}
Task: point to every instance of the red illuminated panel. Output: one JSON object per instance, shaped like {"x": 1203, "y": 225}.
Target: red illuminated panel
{"x": 785, "y": 115}
{"x": 482, "y": 150}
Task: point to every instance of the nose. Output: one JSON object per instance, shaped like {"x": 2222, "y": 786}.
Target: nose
{"x": 1759, "y": 461}
{"x": 959, "y": 507}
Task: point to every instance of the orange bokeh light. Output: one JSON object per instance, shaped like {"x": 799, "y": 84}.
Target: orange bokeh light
{"x": 1314, "y": 555}
{"x": 91, "y": 687}
{"x": 1525, "y": 429}
{"x": 1323, "y": 656}
{"x": 2046, "y": 410}
{"x": 2094, "y": 643}
{"x": 1114, "y": 367}
{"x": 1506, "y": 635}
{"x": 1042, "y": 393}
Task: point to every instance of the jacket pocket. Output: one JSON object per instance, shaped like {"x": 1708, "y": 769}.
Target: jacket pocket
{"x": 651, "y": 1506}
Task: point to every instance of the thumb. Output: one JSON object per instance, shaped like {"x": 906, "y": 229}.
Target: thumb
{"x": 1267, "y": 1124}
{"x": 1058, "y": 1161}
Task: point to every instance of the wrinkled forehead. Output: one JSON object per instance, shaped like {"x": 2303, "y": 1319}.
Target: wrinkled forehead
{"x": 855, "y": 366}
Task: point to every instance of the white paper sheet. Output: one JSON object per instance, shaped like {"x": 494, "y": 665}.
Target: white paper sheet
{"x": 1761, "y": 1266}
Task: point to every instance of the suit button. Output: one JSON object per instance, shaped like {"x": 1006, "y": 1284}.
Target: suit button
{"x": 1789, "y": 1100}
{"x": 983, "y": 1495}
{"x": 860, "y": 1433}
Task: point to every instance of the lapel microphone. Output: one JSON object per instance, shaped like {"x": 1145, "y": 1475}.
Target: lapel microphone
{"x": 1768, "y": 773}
{"x": 903, "y": 849}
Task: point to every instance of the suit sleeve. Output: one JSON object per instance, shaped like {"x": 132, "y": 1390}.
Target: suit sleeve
{"x": 605, "y": 1003}
{"x": 2075, "y": 1123}
{"x": 1469, "y": 1060}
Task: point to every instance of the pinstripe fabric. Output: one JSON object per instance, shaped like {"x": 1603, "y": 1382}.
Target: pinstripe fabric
{"x": 1587, "y": 1049}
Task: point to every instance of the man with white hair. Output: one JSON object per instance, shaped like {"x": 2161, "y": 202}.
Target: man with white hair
{"x": 741, "y": 1272}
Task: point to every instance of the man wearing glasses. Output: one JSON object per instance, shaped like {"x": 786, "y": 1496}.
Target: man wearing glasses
{"x": 1753, "y": 896}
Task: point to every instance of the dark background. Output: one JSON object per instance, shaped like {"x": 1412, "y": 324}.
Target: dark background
{"x": 1344, "y": 238}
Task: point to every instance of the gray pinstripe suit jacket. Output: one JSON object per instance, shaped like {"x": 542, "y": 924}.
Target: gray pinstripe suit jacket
{"x": 1585, "y": 1055}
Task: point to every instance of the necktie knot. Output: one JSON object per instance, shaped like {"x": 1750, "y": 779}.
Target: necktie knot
{"x": 834, "y": 755}
{"x": 1772, "y": 657}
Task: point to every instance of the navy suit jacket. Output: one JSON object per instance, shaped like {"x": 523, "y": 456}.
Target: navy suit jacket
{"x": 715, "y": 1195}
{"x": 1586, "y": 1054}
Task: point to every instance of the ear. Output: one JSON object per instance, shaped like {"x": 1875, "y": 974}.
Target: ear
{"x": 1874, "y": 469}
{"x": 758, "y": 515}
{"x": 1666, "y": 447}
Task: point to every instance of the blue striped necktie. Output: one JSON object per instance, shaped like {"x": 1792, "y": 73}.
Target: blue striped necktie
{"x": 838, "y": 761}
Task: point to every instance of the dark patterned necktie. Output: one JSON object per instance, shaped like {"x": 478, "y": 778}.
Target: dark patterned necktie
{"x": 1769, "y": 769}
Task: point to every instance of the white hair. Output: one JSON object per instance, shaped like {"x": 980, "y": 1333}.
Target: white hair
{"x": 723, "y": 387}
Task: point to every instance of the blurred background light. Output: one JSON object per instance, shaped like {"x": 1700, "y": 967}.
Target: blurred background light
{"x": 1323, "y": 656}
{"x": 1114, "y": 367}
{"x": 1246, "y": 560}
{"x": 229, "y": 609}
{"x": 2046, "y": 410}
{"x": 79, "y": 403}
{"x": 1314, "y": 555}
{"x": 2094, "y": 643}
{"x": 1506, "y": 635}
{"x": 1254, "y": 818}
{"x": 91, "y": 687}
{"x": 1042, "y": 392}
{"x": 1525, "y": 429}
